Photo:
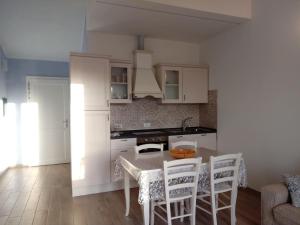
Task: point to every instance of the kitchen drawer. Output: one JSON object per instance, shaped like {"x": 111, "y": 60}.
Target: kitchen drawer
{"x": 117, "y": 144}
{"x": 115, "y": 153}
{"x": 208, "y": 140}
{"x": 190, "y": 137}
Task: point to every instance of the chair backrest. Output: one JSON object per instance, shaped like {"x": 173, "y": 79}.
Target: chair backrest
{"x": 147, "y": 146}
{"x": 224, "y": 170}
{"x": 181, "y": 176}
{"x": 192, "y": 144}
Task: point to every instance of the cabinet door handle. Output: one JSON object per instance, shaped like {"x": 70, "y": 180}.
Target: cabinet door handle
{"x": 179, "y": 136}
{"x": 124, "y": 151}
{"x": 183, "y": 97}
{"x": 124, "y": 140}
{"x": 203, "y": 134}
{"x": 107, "y": 101}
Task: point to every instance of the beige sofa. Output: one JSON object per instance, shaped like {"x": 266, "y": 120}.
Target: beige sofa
{"x": 275, "y": 206}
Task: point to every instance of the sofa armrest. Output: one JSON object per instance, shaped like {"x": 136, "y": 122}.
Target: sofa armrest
{"x": 271, "y": 196}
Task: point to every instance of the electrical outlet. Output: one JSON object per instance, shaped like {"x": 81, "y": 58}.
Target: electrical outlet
{"x": 118, "y": 126}
{"x": 147, "y": 125}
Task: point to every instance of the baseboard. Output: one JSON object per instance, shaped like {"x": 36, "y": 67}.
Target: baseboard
{"x": 95, "y": 189}
{"x": 251, "y": 191}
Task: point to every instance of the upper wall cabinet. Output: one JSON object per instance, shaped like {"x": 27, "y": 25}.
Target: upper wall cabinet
{"x": 195, "y": 85}
{"x": 183, "y": 84}
{"x": 120, "y": 88}
{"x": 171, "y": 83}
{"x": 90, "y": 79}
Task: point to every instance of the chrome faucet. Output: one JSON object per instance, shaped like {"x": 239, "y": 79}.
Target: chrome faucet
{"x": 186, "y": 123}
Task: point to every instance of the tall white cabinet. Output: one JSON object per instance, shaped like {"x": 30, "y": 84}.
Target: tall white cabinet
{"x": 90, "y": 123}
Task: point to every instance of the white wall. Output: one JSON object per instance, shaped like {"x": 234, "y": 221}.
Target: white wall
{"x": 2, "y": 76}
{"x": 122, "y": 47}
{"x": 256, "y": 69}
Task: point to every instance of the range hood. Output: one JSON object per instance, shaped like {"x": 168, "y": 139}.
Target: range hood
{"x": 145, "y": 83}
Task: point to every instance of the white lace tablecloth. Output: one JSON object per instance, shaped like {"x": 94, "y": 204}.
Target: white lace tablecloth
{"x": 147, "y": 169}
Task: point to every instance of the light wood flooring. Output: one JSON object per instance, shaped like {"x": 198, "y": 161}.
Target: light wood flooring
{"x": 42, "y": 196}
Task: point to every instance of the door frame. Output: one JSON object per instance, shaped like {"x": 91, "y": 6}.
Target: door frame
{"x": 67, "y": 79}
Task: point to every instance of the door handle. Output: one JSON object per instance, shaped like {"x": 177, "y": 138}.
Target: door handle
{"x": 66, "y": 123}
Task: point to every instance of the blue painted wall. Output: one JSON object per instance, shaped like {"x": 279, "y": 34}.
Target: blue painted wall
{"x": 2, "y": 76}
{"x": 19, "y": 69}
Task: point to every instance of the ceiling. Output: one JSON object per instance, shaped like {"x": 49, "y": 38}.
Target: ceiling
{"x": 41, "y": 29}
{"x": 112, "y": 17}
{"x": 50, "y": 29}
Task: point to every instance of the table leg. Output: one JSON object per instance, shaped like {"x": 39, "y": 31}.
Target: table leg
{"x": 127, "y": 192}
{"x": 146, "y": 208}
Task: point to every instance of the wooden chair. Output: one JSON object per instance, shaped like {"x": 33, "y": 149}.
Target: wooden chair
{"x": 146, "y": 146}
{"x": 192, "y": 144}
{"x": 186, "y": 170}
{"x": 224, "y": 172}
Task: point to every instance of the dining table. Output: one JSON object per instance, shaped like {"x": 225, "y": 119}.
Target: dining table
{"x": 147, "y": 170}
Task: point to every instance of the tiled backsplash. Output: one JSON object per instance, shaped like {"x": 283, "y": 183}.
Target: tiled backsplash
{"x": 148, "y": 110}
{"x": 208, "y": 112}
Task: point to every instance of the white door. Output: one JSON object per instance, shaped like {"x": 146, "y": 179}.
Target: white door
{"x": 48, "y": 101}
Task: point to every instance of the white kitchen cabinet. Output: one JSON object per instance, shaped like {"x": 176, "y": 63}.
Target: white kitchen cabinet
{"x": 90, "y": 76}
{"x": 171, "y": 83}
{"x": 90, "y": 123}
{"x": 183, "y": 83}
{"x": 121, "y": 78}
{"x": 90, "y": 142}
{"x": 207, "y": 140}
{"x": 176, "y": 138}
{"x": 118, "y": 146}
{"x": 195, "y": 85}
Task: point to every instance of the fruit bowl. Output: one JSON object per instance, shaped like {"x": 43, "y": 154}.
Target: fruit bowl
{"x": 180, "y": 153}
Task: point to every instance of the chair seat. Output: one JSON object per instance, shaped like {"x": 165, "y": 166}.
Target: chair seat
{"x": 219, "y": 188}
{"x": 183, "y": 194}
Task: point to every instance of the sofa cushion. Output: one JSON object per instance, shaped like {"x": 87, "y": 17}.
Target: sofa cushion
{"x": 286, "y": 214}
{"x": 293, "y": 184}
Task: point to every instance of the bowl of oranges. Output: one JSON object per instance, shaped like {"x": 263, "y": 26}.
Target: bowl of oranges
{"x": 181, "y": 153}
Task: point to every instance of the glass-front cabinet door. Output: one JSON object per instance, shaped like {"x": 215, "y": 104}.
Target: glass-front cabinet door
{"x": 121, "y": 74}
{"x": 172, "y": 84}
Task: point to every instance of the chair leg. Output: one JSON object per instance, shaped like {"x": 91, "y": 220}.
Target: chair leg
{"x": 213, "y": 209}
{"x": 169, "y": 214}
{"x": 176, "y": 208}
{"x": 181, "y": 210}
{"x": 152, "y": 213}
{"x": 233, "y": 216}
{"x": 192, "y": 210}
{"x": 217, "y": 201}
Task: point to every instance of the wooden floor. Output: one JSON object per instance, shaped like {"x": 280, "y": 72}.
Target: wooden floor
{"x": 42, "y": 196}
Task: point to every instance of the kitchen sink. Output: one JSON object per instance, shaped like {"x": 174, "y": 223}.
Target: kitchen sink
{"x": 189, "y": 130}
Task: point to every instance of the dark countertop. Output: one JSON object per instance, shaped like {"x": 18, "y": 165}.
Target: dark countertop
{"x": 160, "y": 132}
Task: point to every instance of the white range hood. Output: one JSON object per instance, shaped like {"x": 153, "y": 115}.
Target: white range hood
{"x": 145, "y": 83}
